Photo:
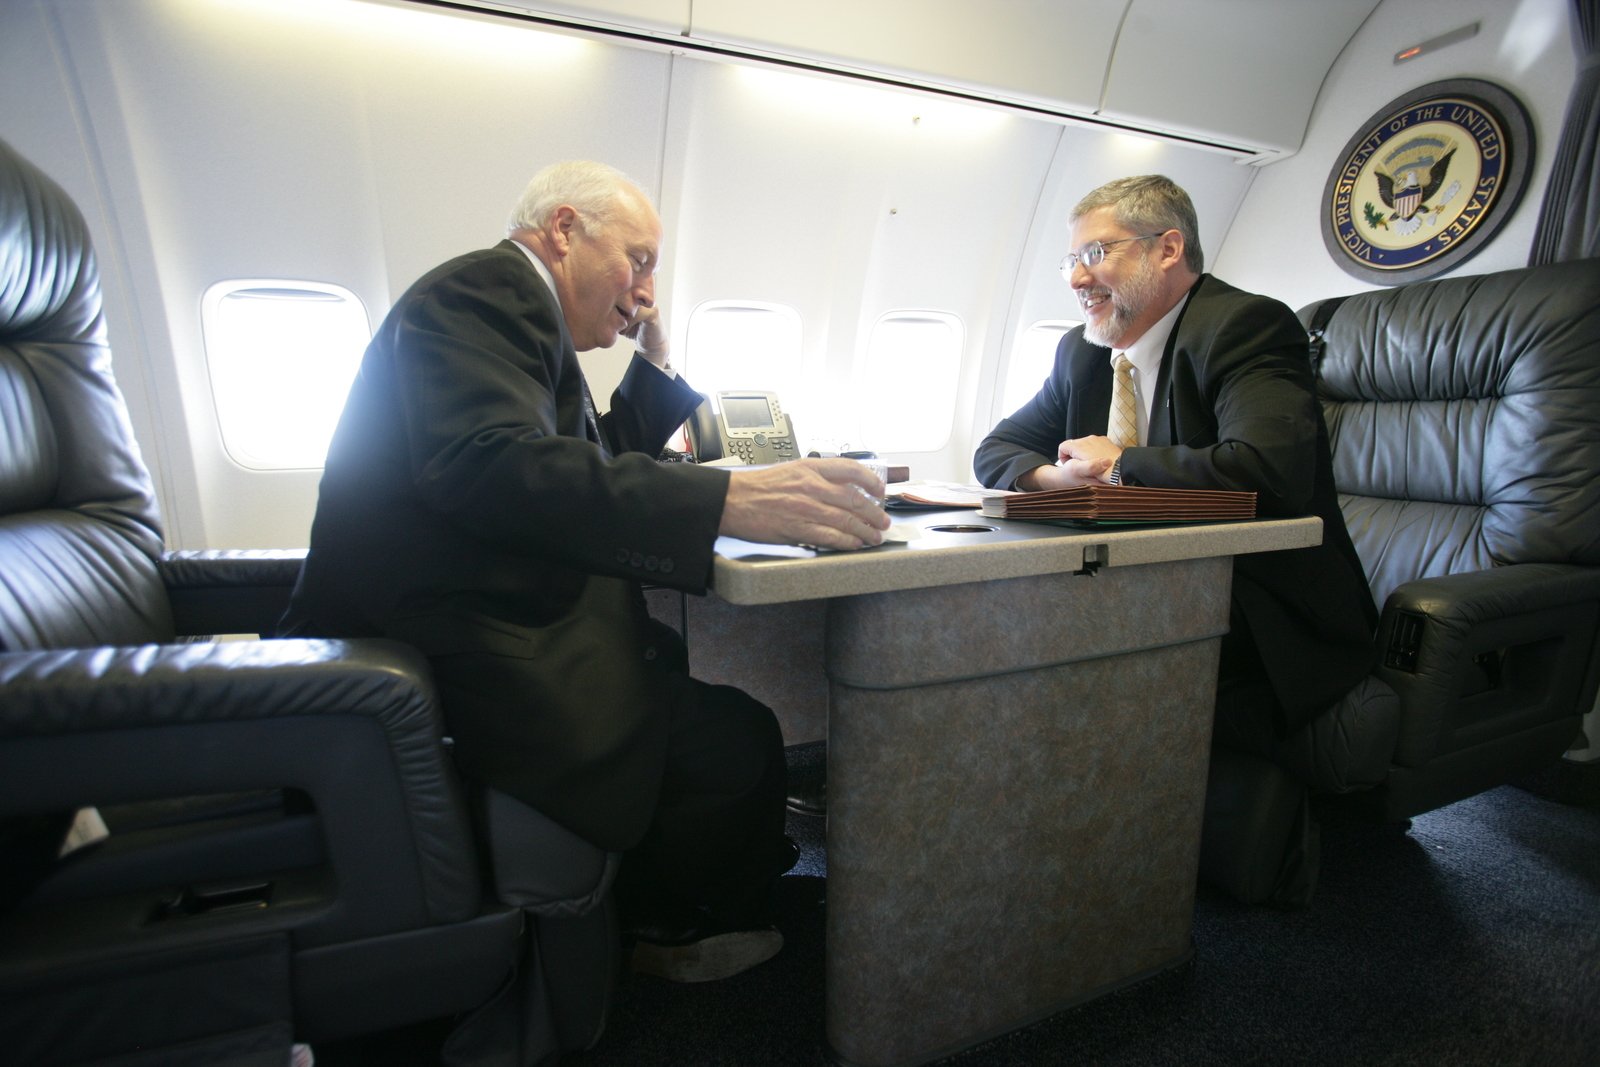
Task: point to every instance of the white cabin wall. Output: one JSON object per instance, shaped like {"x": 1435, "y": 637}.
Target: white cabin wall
{"x": 847, "y": 201}
{"x": 352, "y": 143}
{"x": 361, "y": 142}
{"x": 216, "y": 187}
{"x": 44, "y": 114}
{"x": 1275, "y": 244}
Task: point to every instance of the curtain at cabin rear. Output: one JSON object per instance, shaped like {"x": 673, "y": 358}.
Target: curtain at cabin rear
{"x": 1569, "y": 220}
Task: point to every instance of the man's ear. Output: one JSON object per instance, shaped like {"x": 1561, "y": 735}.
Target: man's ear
{"x": 1171, "y": 246}
{"x": 563, "y": 222}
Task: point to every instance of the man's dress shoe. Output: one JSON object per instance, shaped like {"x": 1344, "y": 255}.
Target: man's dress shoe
{"x": 698, "y": 945}
{"x": 703, "y": 953}
{"x": 808, "y": 789}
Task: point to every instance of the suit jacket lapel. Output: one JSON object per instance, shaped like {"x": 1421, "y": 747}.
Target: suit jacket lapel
{"x": 569, "y": 355}
{"x": 1093, "y": 399}
{"x": 1163, "y": 429}
{"x": 593, "y": 425}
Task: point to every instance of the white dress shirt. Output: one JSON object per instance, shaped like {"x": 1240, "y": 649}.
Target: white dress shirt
{"x": 1145, "y": 355}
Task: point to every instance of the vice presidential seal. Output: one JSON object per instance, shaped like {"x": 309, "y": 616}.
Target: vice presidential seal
{"x": 1427, "y": 181}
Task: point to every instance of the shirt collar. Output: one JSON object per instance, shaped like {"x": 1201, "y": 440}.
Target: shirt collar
{"x": 1145, "y": 354}
{"x": 543, "y": 271}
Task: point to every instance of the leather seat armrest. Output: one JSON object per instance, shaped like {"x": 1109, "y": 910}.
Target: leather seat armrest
{"x": 1474, "y": 654}
{"x": 354, "y": 725}
{"x": 229, "y": 591}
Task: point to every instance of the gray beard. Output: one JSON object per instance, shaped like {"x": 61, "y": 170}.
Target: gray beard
{"x": 1127, "y": 304}
{"x": 1108, "y": 333}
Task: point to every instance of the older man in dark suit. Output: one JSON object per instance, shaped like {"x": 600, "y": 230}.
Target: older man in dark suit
{"x": 476, "y": 505}
{"x": 1219, "y": 395}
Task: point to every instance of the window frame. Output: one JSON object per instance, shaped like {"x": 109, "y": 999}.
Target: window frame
{"x": 235, "y": 404}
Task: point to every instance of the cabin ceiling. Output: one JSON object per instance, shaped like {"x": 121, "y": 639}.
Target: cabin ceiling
{"x": 1174, "y": 68}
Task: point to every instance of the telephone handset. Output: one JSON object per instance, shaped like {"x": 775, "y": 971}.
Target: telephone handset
{"x": 746, "y": 426}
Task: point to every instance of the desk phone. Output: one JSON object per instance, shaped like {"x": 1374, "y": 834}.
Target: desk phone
{"x": 747, "y": 425}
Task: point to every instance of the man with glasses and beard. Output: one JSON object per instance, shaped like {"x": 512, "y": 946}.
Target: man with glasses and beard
{"x": 1216, "y": 393}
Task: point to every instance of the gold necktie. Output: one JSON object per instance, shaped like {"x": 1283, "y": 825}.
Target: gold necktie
{"x": 1124, "y": 432}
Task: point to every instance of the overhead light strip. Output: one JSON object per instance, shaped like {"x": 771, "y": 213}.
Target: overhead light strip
{"x": 689, "y": 44}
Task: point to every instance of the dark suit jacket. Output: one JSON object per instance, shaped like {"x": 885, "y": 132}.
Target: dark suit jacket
{"x": 473, "y": 507}
{"x": 1233, "y": 408}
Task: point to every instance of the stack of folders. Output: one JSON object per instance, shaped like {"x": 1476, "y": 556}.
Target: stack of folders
{"x": 1123, "y": 503}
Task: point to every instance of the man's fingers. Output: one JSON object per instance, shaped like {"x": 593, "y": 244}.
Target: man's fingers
{"x": 855, "y": 533}
{"x": 864, "y": 491}
{"x": 833, "y": 503}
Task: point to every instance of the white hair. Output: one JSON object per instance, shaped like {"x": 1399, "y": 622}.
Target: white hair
{"x": 594, "y": 190}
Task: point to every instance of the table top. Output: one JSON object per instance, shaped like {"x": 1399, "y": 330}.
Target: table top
{"x": 949, "y": 547}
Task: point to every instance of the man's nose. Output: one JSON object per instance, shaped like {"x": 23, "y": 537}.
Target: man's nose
{"x": 645, "y": 291}
{"x": 1081, "y": 278}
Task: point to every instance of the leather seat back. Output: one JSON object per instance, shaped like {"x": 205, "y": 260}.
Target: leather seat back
{"x": 1464, "y": 416}
{"x": 79, "y": 529}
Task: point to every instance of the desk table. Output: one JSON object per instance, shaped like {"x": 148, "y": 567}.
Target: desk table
{"x": 1018, "y": 719}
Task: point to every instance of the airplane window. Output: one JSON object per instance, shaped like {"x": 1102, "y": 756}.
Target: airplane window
{"x": 744, "y": 345}
{"x": 281, "y": 355}
{"x": 907, "y": 387}
{"x": 1031, "y": 361}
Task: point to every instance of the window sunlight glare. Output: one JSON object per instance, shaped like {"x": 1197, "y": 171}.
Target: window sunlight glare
{"x": 906, "y": 396}
{"x": 743, "y": 345}
{"x": 281, "y": 357}
{"x": 1031, "y": 361}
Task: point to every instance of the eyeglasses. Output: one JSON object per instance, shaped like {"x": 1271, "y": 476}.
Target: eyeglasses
{"x": 1091, "y": 254}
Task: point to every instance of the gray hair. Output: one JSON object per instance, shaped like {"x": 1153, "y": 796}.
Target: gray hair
{"x": 1146, "y": 204}
{"x": 594, "y": 190}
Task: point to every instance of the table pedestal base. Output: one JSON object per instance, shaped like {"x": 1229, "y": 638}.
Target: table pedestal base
{"x": 1016, "y": 774}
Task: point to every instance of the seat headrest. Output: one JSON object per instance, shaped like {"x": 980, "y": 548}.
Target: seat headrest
{"x": 79, "y": 530}
{"x": 49, "y": 281}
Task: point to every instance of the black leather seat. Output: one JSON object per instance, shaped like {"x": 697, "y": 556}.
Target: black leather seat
{"x": 292, "y": 855}
{"x": 1465, "y": 420}
{"x": 1464, "y": 416}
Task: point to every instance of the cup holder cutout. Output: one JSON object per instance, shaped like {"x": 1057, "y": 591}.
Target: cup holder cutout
{"x": 964, "y": 528}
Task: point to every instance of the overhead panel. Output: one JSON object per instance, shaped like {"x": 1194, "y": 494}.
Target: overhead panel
{"x": 1235, "y": 75}
{"x": 1050, "y": 53}
{"x": 1243, "y": 72}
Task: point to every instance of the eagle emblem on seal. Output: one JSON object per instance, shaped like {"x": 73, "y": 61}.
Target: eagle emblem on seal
{"x": 1408, "y": 178}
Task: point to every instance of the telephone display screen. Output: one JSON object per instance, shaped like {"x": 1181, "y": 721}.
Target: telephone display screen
{"x": 747, "y": 412}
